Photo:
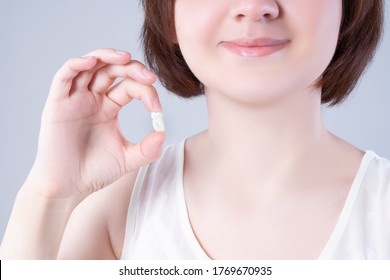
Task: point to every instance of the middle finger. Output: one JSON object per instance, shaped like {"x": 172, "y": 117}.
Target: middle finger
{"x": 104, "y": 57}
{"x": 128, "y": 89}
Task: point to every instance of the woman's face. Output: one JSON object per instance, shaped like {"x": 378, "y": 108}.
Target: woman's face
{"x": 257, "y": 50}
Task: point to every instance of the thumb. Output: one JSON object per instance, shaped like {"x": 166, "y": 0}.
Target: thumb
{"x": 147, "y": 151}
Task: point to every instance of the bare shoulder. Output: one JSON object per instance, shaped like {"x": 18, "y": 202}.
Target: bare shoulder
{"x": 96, "y": 228}
{"x": 346, "y": 154}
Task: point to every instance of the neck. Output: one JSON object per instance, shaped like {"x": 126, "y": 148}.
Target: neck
{"x": 264, "y": 142}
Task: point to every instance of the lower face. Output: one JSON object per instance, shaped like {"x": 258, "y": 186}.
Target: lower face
{"x": 257, "y": 51}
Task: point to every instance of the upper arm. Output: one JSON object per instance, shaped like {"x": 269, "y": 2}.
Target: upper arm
{"x": 96, "y": 228}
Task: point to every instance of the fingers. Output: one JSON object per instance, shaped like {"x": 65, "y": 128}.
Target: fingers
{"x": 104, "y": 57}
{"x": 77, "y": 72}
{"x": 125, "y": 91}
{"x": 110, "y": 56}
{"x": 106, "y": 76}
{"x": 147, "y": 151}
{"x": 63, "y": 79}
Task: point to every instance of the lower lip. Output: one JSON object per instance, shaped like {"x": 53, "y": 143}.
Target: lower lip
{"x": 253, "y": 51}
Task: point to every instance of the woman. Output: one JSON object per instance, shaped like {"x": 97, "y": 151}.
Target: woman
{"x": 265, "y": 181}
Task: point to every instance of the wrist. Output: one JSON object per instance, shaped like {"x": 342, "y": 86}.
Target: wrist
{"x": 48, "y": 193}
{"x": 44, "y": 184}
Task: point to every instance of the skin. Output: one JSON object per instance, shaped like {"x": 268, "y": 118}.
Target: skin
{"x": 273, "y": 171}
{"x": 81, "y": 150}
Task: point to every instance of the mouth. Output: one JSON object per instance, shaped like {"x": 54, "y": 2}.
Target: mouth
{"x": 255, "y": 48}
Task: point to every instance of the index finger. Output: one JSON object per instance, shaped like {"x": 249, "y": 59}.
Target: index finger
{"x": 82, "y": 69}
{"x": 104, "y": 57}
{"x": 109, "y": 56}
{"x": 104, "y": 78}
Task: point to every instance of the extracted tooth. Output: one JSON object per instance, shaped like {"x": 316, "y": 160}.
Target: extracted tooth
{"x": 158, "y": 121}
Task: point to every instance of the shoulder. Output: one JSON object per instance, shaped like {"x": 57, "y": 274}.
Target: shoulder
{"x": 172, "y": 152}
{"x": 170, "y": 163}
{"x": 375, "y": 182}
{"x": 378, "y": 169}
{"x": 162, "y": 172}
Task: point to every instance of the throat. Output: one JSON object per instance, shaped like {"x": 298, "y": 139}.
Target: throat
{"x": 270, "y": 136}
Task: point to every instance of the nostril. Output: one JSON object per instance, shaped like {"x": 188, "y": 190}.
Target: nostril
{"x": 264, "y": 16}
{"x": 267, "y": 16}
{"x": 255, "y": 11}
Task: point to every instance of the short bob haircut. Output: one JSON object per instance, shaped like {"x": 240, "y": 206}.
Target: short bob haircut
{"x": 359, "y": 36}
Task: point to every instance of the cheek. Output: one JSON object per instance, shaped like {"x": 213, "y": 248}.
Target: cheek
{"x": 319, "y": 21}
{"x": 316, "y": 25}
{"x": 197, "y": 24}
{"x": 195, "y": 19}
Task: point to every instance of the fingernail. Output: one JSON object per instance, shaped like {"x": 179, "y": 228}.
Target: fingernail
{"x": 157, "y": 105}
{"x": 121, "y": 52}
{"x": 147, "y": 73}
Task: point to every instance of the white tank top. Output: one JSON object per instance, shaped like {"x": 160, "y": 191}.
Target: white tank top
{"x": 158, "y": 226}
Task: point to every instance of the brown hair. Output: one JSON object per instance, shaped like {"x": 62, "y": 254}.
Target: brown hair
{"x": 360, "y": 33}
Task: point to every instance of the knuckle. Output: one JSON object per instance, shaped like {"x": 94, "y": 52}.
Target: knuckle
{"x": 137, "y": 64}
{"x": 66, "y": 72}
{"x": 96, "y": 51}
{"x": 69, "y": 64}
{"x": 100, "y": 52}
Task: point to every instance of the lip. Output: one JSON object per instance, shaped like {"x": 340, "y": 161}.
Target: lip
{"x": 254, "y": 48}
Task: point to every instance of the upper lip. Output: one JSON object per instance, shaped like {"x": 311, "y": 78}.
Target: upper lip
{"x": 257, "y": 42}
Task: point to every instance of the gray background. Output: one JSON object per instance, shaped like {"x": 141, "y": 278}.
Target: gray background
{"x": 38, "y": 36}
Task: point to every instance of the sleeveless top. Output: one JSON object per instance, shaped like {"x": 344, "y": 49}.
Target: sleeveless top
{"x": 158, "y": 226}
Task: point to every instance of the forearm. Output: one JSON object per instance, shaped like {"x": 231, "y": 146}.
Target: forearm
{"x": 36, "y": 225}
{"x": 81, "y": 148}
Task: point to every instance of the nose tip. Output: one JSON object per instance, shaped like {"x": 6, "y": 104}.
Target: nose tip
{"x": 255, "y": 10}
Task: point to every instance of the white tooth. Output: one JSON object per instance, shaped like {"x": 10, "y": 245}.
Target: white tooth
{"x": 158, "y": 121}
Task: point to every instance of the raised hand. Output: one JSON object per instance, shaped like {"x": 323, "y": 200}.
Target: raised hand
{"x": 81, "y": 148}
